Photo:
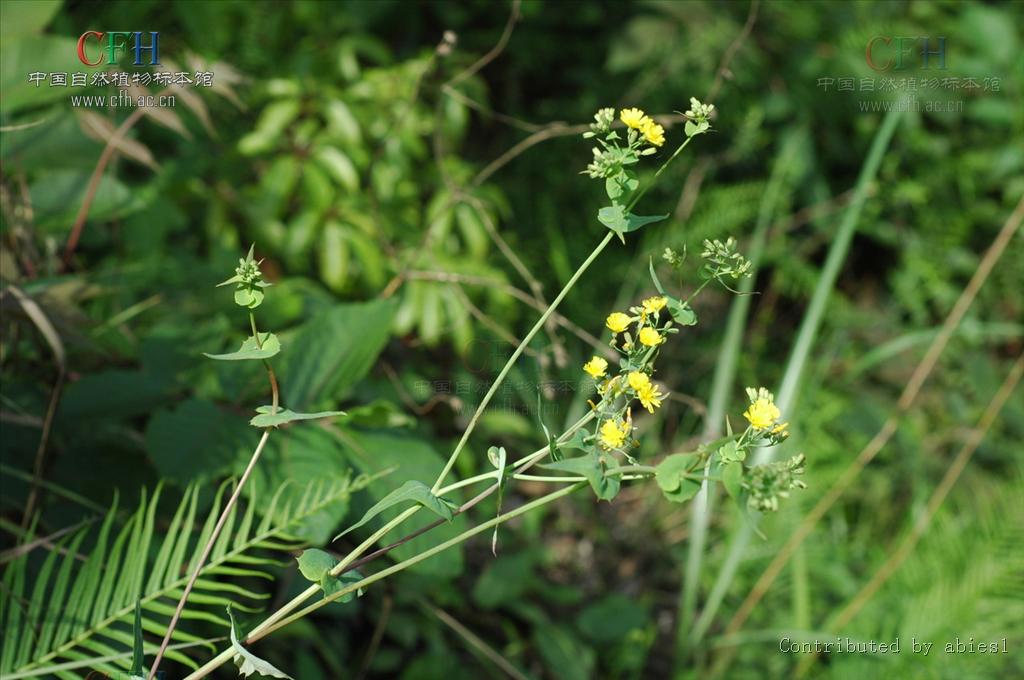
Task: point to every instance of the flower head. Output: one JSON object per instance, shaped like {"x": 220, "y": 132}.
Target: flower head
{"x": 653, "y": 305}
{"x": 617, "y": 322}
{"x": 614, "y": 433}
{"x": 653, "y": 133}
{"x": 633, "y": 118}
{"x": 649, "y": 396}
{"x": 638, "y": 380}
{"x": 596, "y": 367}
{"x": 650, "y": 337}
{"x": 763, "y": 414}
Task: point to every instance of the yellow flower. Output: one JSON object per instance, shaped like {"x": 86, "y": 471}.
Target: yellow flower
{"x": 763, "y": 412}
{"x": 653, "y": 133}
{"x": 649, "y": 397}
{"x": 653, "y": 305}
{"x": 650, "y": 337}
{"x": 613, "y": 434}
{"x": 595, "y": 367}
{"x": 617, "y": 322}
{"x": 634, "y": 118}
{"x": 638, "y": 380}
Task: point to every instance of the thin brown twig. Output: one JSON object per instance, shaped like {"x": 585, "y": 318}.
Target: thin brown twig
{"x": 222, "y": 520}
{"x": 730, "y": 52}
{"x": 476, "y": 642}
{"x": 378, "y": 635}
{"x": 499, "y": 47}
{"x": 94, "y": 182}
{"x": 921, "y": 373}
{"x": 519, "y": 294}
{"x": 46, "y": 329}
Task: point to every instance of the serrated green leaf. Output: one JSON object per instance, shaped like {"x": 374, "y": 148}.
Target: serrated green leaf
{"x": 247, "y": 662}
{"x": 269, "y": 418}
{"x": 268, "y": 346}
{"x": 415, "y": 491}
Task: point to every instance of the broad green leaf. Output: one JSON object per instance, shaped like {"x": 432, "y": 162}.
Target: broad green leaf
{"x": 418, "y": 492}
{"x": 247, "y": 662}
{"x": 197, "y": 441}
{"x": 339, "y": 167}
{"x": 670, "y": 472}
{"x": 250, "y": 350}
{"x": 732, "y": 476}
{"x": 688, "y": 488}
{"x": 634, "y": 222}
{"x": 314, "y": 563}
{"x": 333, "y": 584}
{"x": 624, "y": 182}
{"x": 269, "y": 418}
{"x": 613, "y": 217}
{"x": 681, "y": 312}
{"x": 618, "y": 220}
{"x": 589, "y": 466}
{"x": 332, "y": 352}
{"x": 410, "y": 458}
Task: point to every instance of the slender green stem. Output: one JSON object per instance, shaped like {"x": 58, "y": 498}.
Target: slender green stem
{"x": 523, "y": 463}
{"x": 640, "y": 194}
{"x": 787, "y": 393}
{"x": 515, "y": 356}
{"x": 215, "y": 534}
{"x": 405, "y": 564}
{"x": 721, "y": 387}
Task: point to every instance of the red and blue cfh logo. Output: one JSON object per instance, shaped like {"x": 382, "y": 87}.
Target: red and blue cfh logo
{"x": 115, "y": 43}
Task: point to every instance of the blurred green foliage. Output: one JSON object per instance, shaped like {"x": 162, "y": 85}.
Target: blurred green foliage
{"x": 355, "y": 146}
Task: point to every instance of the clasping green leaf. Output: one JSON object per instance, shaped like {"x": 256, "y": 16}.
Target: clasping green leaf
{"x": 267, "y": 347}
{"x": 415, "y": 491}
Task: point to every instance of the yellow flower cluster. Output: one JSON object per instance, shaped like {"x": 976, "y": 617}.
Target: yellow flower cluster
{"x": 763, "y": 414}
{"x": 638, "y": 120}
{"x": 648, "y": 394}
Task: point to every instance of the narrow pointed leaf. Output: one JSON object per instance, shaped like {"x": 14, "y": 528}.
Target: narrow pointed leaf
{"x": 412, "y": 490}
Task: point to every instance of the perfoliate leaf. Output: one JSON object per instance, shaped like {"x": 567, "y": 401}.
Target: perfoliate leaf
{"x": 247, "y": 662}
{"x": 412, "y": 490}
{"x": 578, "y": 441}
{"x": 681, "y": 312}
{"x": 250, "y": 298}
{"x": 669, "y": 472}
{"x": 634, "y": 222}
{"x": 732, "y": 475}
{"x": 251, "y": 350}
{"x": 333, "y": 584}
{"x": 590, "y": 467}
{"x": 269, "y": 418}
{"x": 314, "y": 564}
{"x": 618, "y": 220}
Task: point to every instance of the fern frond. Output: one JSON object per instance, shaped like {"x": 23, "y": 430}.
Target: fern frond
{"x": 69, "y": 611}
